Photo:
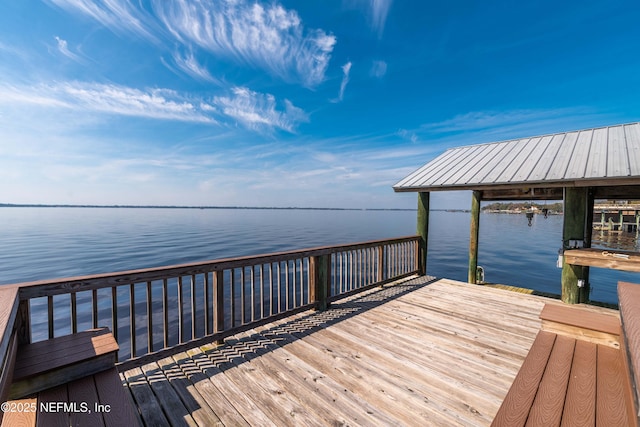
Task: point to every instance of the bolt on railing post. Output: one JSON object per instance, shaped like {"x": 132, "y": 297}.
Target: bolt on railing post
{"x": 320, "y": 280}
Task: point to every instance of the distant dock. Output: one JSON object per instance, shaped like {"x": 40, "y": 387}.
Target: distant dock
{"x": 616, "y": 218}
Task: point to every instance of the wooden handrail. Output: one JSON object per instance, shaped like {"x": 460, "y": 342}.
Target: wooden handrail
{"x": 209, "y": 298}
{"x": 67, "y": 285}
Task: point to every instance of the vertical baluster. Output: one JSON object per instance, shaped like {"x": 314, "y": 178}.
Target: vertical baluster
{"x": 271, "y": 298}
{"x": 379, "y": 252}
{"x": 295, "y": 283}
{"x": 193, "y": 306}
{"x": 218, "y": 302}
{"x": 50, "y": 315}
{"x": 405, "y": 255}
{"x": 114, "y": 311}
{"x": 74, "y": 313}
{"x": 261, "y": 291}
{"x": 343, "y": 271}
{"x": 407, "y": 260}
{"x": 350, "y": 270}
{"x": 149, "y": 319}
{"x": 132, "y": 318}
{"x": 354, "y": 269}
{"x": 207, "y": 305}
{"x": 334, "y": 271}
{"x": 365, "y": 266}
{"x": 392, "y": 264}
{"x": 372, "y": 265}
{"x": 242, "y": 297}
{"x": 165, "y": 313}
{"x": 309, "y": 280}
{"x": 359, "y": 265}
{"x": 232, "y": 294}
{"x": 180, "y": 312}
{"x": 368, "y": 266}
{"x": 279, "y": 290}
{"x": 94, "y": 308}
{"x": 286, "y": 285}
{"x": 253, "y": 293}
{"x": 302, "y": 286}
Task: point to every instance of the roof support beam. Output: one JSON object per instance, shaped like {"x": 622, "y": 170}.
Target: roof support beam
{"x": 473, "y": 238}
{"x": 423, "y": 231}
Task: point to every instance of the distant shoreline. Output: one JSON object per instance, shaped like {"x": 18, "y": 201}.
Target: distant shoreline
{"x": 28, "y": 205}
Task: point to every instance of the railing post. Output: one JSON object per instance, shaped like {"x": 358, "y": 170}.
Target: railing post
{"x": 23, "y": 322}
{"x": 320, "y": 280}
{"x": 381, "y": 263}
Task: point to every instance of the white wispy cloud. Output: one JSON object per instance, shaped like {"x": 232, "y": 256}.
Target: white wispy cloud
{"x": 254, "y": 110}
{"x": 63, "y": 48}
{"x": 270, "y": 37}
{"x": 109, "y": 98}
{"x": 376, "y": 11}
{"x": 378, "y": 69}
{"x": 379, "y": 12}
{"x": 346, "y": 69}
{"x": 521, "y": 121}
{"x": 407, "y": 134}
{"x": 267, "y": 36}
{"x": 258, "y": 111}
{"x": 121, "y": 16}
{"x": 190, "y": 65}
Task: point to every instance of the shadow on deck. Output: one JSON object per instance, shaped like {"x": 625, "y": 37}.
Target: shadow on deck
{"x": 421, "y": 352}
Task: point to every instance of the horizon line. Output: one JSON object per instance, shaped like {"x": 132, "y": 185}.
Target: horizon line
{"x": 116, "y": 206}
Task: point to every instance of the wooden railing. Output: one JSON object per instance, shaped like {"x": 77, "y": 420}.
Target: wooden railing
{"x": 156, "y": 309}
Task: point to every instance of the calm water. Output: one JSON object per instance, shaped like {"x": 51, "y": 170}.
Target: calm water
{"x": 44, "y": 243}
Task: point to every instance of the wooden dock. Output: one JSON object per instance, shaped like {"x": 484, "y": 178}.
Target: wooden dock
{"x": 423, "y": 352}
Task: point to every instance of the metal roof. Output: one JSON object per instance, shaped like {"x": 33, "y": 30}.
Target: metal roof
{"x": 602, "y": 156}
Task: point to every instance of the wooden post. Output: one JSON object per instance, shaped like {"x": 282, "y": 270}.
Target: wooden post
{"x": 381, "y": 265}
{"x": 473, "y": 238}
{"x": 23, "y": 322}
{"x": 588, "y": 234}
{"x": 423, "y": 231}
{"x": 576, "y": 203}
{"x": 321, "y": 279}
{"x": 621, "y": 217}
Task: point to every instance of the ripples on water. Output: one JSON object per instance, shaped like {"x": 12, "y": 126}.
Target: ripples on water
{"x": 45, "y": 243}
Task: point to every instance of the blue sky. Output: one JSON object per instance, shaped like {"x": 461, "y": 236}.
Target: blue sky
{"x": 291, "y": 103}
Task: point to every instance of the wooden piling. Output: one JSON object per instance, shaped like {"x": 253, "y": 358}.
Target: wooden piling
{"x": 423, "y": 231}
{"x": 576, "y": 204}
{"x": 473, "y": 238}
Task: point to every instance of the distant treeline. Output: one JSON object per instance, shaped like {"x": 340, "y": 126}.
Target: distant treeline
{"x": 512, "y": 206}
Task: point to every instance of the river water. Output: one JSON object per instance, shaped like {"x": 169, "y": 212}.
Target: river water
{"x": 44, "y": 243}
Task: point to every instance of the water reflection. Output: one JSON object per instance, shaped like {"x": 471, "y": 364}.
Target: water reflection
{"x": 622, "y": 241}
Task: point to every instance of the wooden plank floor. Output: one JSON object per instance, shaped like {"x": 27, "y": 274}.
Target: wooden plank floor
{"x": 423, "y": 352}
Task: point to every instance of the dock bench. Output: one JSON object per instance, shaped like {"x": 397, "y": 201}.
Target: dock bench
{"x": 68, "y": 380}
{"x": 579, "y": 370}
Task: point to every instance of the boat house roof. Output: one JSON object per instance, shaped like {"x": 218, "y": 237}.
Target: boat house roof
{"x": 606, "y": 158}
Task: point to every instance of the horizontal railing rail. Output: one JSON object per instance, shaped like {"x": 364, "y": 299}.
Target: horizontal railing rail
{"x": 155, "y": 309}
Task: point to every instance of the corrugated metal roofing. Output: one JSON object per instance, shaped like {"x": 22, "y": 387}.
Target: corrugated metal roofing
{"x": 610, "y": 153}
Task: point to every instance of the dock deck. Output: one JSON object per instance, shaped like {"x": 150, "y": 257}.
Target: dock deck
{"x": 423, "y": 352}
